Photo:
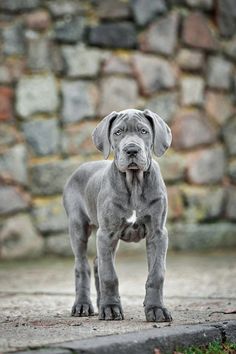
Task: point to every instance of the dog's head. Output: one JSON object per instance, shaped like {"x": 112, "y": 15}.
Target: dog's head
{"x": 132, "y": 134}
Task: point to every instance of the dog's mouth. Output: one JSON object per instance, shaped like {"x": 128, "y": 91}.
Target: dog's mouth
{"x": 133, "y": 166}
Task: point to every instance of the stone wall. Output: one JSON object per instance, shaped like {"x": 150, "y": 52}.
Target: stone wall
{"x": 65, "y": 64}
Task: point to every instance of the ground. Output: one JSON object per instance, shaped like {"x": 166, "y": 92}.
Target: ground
{"x": 36, "y": 297}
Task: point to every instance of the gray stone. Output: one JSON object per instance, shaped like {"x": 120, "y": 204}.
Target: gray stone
{"x": 192, "y": 129}
{"x": 117, "y": 94}
{"x": 45, "y": 350}
{"x": 175, "y": 203}
{"x": 49, "y": 178}
{"x": 15, "y": 66}
{"x": 61, "y": 8}
{"x": 57, "y": 62}
{"x": 19, "y": 239}
{"x": 165, "y": 340}
{"x": 42, "y": 136}
{"x": 38, "y": 52}
{"x": 172, "y": 166}
{"x": 201, "y": 4}
{"x": 12, "y": 199}
{"x": 6, "y": 17}
{"x": 9, "y": 135}
{"x": 165, "y": 105}
{"x": 81, "y": 61}
{"x": 79, "y": 100}
{"x": 232, "y": 170}
{"x": 161, "y": 37}
{"x": 153, "y": 73}
{"x": 226, "y": 17}
{"x": 38, "y": 20}
{"x": 219, "y": 73}
{"x": 201, "y": 236}
{"x": 36, "y": 94}
{"x": 50, "y": 215}
{"x": 230, "y": 332}
{"x": 58, "y": 244}
{"x": 19, "y": 5}
{"x": 145, "y": 10}
{"x": 230, "y": 209}
{"x": 77, "y": 139}
{"x": 229, "y": 135}
{"x": 5, "y": 76}
{"x": 203, "y": 204}
{"x": 206, "y": 166}
{"x": 13, "y": 164}
{"x": 190, "y": 59}
{"x": 192, "y": 90}
{"x": 219, "y": 106}
{"x": 197, "y": 33}
{"x": 229, "y": 48}
{"x": 42, "y": 53}
{"x": 69, "y": 30}
{"x": 115, "y": 64}
{"x": 234, "y": 88}
{"x": 13, "y": 39}
{"x": 113, "y": 10}
{"x": 113, "y": 35}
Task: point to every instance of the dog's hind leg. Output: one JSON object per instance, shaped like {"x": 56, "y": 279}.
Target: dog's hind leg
{"x": 79, "y": 232}
{"x": 96, "y": 278}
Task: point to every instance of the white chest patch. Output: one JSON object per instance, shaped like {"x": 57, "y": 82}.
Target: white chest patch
{"x": 133, "y": 217}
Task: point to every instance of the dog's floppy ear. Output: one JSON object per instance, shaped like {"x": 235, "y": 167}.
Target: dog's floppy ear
{"x": 162, "y": 133}
{"x": 101, "y": 134}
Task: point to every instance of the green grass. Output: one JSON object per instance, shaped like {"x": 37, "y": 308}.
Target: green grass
{"x": 212, "y": 348}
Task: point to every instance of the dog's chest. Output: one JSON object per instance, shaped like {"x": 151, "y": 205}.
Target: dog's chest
{"x": 132, "y": 218}
{"x": 136, "y": 201}
{"x": 135, "y": 208}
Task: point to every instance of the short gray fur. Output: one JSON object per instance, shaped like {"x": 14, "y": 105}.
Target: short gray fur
{"x": 105, "y": 194}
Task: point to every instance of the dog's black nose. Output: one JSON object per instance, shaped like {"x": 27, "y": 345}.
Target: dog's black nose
{"x": 132, "y": 150}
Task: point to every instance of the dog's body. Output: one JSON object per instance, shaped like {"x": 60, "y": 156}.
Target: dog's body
{"x": 124, "y": 199}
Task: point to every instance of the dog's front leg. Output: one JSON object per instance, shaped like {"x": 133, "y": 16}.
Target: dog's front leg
{"x": 79, "y": 233}
{"x": 155, "y": 310}
{"x": 109, "y": 304}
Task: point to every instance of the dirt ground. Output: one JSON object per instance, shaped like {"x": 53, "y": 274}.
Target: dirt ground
{"x": 36, "y": 297}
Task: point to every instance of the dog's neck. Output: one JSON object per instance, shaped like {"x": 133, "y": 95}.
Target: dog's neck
{"x": 134, "y": 182}
{"x": 131, "y": 182}
{"x": 134, "y": 178}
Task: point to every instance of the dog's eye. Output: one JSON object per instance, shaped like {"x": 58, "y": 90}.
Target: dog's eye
{"x": 118, "y": 132}
{"x": 144, "y": 131}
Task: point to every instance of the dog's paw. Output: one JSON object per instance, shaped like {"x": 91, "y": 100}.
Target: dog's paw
{"x": 111, "y": 312}
{"x": 157, "y": 314}
{"x": 82, "y": 310}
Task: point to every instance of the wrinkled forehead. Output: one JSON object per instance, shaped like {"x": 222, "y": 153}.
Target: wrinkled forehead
{"x": 130, "y": 118}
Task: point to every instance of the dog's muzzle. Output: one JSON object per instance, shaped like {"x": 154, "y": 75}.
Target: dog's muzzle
{"x": 131, "y": 157}
{"x": 132, "y": 150}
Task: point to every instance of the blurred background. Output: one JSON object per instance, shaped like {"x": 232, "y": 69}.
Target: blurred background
{"x": 65, "y": 64}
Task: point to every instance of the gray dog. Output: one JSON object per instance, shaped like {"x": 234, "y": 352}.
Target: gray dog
{"x": 124, "y": 199}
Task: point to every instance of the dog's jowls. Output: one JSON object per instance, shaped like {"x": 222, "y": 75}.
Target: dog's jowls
{"x": 124, "y": 199}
